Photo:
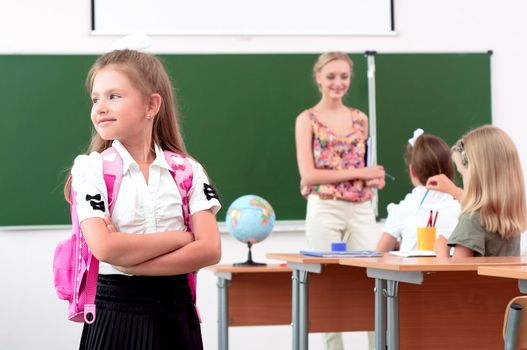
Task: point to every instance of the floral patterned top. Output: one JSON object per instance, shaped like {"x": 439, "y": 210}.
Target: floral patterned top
{"x": 336, "y": 152}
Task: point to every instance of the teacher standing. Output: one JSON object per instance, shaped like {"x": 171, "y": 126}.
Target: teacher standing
{"x": 331, "y": 149}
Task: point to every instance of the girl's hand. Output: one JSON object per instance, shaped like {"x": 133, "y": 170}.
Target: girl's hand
{"x": 109, "y": 224}
{"x": 373, "y": 172}
{"x": 376, "y": 183}
{"x": 442, "y": 183}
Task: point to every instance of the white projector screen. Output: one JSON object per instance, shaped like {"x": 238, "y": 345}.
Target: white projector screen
{"x": 243, "y": 17}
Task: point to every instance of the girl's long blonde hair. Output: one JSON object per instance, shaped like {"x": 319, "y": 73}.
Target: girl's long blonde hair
{"x": 494, "y": 181}
{"x": 146, "y": 72}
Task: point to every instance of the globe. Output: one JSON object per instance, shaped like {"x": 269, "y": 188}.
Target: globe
{"x": 250, "y": 219}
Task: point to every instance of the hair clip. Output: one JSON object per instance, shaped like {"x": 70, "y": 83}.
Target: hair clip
{"x": 417, "y": 132}
{"x": 459, "y": 147}
{"x": 464, "y": 158}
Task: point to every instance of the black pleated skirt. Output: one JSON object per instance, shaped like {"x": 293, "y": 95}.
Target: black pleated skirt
{"x": 143, "y": 313}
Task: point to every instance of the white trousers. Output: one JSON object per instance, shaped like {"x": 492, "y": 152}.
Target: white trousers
{"x": 329, "y": 221}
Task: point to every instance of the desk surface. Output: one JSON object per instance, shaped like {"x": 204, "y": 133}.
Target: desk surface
{"x": 248, "y": 269}
{"x": 396, "y": 263}
{"x": 516, "y": 272}
{"x": 302, "y": 259}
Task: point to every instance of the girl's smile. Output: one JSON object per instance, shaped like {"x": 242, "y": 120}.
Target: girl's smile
{"x": 103, "y": 121}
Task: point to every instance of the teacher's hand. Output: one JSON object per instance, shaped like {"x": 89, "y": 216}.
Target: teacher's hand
{"x": 376, "y": 183}
{"x": 372, "y": 172}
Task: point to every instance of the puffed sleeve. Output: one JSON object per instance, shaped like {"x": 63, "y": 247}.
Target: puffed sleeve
{"x": 394, "y": 222}
{"x": 202, "y": 195}
{"x": 88, "y": 184}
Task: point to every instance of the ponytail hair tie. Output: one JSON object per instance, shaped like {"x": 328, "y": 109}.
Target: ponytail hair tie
{"x": 418, "y": 132}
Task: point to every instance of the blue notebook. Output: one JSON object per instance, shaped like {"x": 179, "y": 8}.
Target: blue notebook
{"x": 343, "y": 254}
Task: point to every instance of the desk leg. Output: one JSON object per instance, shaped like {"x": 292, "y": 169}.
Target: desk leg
{"x": 393, "y": 314}
{"x": 303, "y": 310}
{"x": 522, "y": 286}
{"x": 380, "y": 314}
{"x": 295, "y": 315}
{"x": 223, "y": 314}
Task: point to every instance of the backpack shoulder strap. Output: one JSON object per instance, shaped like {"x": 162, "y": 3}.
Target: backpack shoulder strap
{"x": 113, "y": 174}
{"x": 183, "y": 175}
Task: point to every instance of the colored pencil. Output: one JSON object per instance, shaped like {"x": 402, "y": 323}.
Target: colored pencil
{"x": 429, "y": 222}
{"x": 435, "y": 219}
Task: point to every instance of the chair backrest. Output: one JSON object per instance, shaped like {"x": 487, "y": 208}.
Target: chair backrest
{"x": 521, "y": 339}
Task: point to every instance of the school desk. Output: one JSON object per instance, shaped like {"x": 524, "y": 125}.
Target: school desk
{"x": 442, "y": 304}
{"x": 327, "y": 297}
{"x": 515, "y": 272}
{"x": 251, "y": 296}
{"x": 513, "y": 331}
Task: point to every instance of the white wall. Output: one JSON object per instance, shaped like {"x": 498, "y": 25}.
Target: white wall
{"x": 31, "y": 316}
{"x": 62, "y": 26}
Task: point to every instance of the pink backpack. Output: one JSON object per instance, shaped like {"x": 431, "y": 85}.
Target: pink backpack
{"x": 75, "y": 269}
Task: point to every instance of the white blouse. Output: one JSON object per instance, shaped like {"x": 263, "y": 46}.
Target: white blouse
{"x": 404, "y": 218}
{"x": 141, "y": 207}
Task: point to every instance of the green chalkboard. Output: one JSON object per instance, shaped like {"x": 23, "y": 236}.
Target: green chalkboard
{"x": 237, "y": 114}
{"x": 44, "y": 123}
{"x": 444, "y": 94}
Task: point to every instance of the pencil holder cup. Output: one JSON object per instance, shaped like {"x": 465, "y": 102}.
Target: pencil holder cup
{"x": 426, "y": 237}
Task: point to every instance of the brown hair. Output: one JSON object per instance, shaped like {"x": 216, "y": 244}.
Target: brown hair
{"x": 147, "y": 74}
{"x": 327, "y": 57}
{"x": 494, "y": 181}
{"x": 429, "y": 156}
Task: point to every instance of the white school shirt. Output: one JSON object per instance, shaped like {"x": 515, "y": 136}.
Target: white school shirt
{"x": 404, "y": 218}
{"x": 141, "y": 207}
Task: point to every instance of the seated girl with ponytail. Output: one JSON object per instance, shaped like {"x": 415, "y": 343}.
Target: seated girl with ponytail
{"x": 426, "y": 156}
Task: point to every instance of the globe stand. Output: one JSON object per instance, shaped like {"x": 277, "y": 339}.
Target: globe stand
{"x": 249, "y": 261}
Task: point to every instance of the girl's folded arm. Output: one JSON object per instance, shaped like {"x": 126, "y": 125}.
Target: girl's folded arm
{"x": 119, "y": 248}
{"x": 205, "y": 250}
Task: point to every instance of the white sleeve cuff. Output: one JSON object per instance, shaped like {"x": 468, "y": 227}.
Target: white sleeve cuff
{"x": 213, "y": 205}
